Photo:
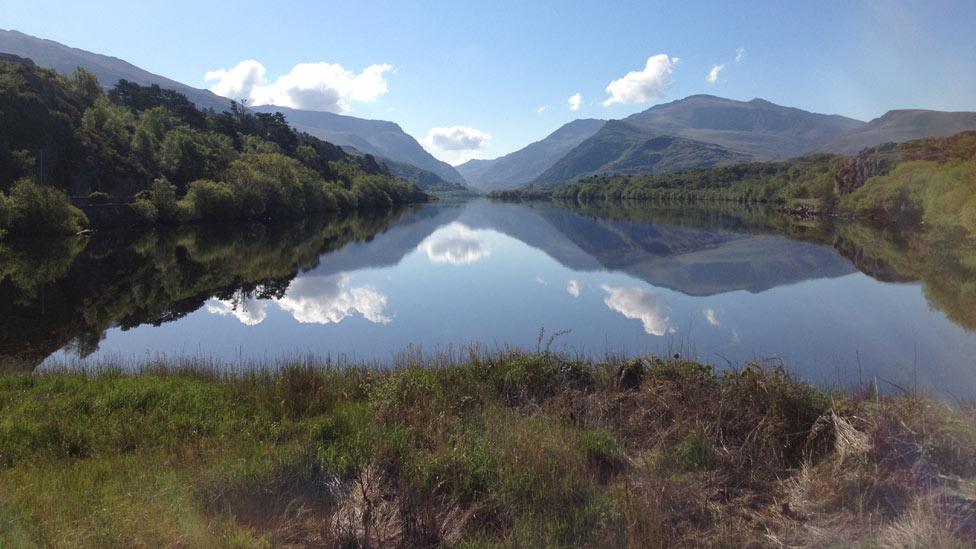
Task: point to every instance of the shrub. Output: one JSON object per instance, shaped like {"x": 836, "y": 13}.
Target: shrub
{"x": 694, "y": 453}
{"x": 210, "y": 201}
{"x": 967, "y": 217}
{"x": 162, "y": 194}
{"x": 6, "y": 212}
{"x": 187, "y": 154}
{"x": 145, "y": 210}
{"x": 43, "y": 210}
{"x": 98, "y": 197}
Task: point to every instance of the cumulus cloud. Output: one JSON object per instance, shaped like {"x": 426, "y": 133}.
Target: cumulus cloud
{"x": 740, "y": 54}
{"x": 249, "y": 311}
{"x": 460, "y": 143}
{"x": 330, "y": 299}
{"x": 574, "y": 288}
{"x": 639, "y": 304}
{"x": 711, "y": 317}
{"x": 312, "y": 86}
{"x": 455, "y": 244}
{"x": 643, "y": 85}
{"x": 456, "y": 138}
{"x": 542, "y": 109}
{"x": 575, "y": 102}
{"x": 713, "y": 74}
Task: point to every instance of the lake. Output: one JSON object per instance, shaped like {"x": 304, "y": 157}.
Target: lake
{"x": 838, "y": 305}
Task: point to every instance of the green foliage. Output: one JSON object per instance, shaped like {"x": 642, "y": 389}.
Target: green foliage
{"x": 84, "y": 84}
{"x": 162, "y": 195}
{"x": 210, "y": 201}
{"x": 67, "y": 133}
{"x": 98, "y": 197}
{"x": 113, "y": 122}
{"x": 187, "y": 154}
{"x": 694, "y": 453}
{"x": 940, "y": 194}
{"x": 36, "y": 209}
{"x": 145, "y": 211}
{"x": 432, "y": 456}
{"x": 6, "y": 214}
{"x": 804, "y": 177}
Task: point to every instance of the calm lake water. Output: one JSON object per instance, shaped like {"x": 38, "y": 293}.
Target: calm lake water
{"x": 836, "y": 305}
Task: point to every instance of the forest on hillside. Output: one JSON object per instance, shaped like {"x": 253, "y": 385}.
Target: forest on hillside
{"x": 164, "y": 160}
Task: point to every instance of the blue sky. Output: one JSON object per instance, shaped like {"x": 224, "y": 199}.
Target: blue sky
{"x": 491, "y": 66}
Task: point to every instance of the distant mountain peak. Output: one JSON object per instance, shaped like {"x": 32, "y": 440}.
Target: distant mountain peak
{"x": 524, "y": 165}
{"x": 377, "y": 137}
{"x": 903, "y": 125}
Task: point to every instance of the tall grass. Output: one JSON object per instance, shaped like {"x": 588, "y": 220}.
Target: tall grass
{"x": 498, "y": 449}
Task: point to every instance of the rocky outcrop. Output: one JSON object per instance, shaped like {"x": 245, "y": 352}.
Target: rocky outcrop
{"x": 855, "y": 171}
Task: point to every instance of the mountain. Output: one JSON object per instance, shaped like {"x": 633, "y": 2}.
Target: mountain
{"x": 426, "y": 180}
{"x": 524, "y": 165}
{"x": 699, "y": 131}
{"x": 691, "y": 259}
{"x": 756, "y": 127}
{"x": 109, "y": 70}
{"x": 903, "y": 125}
{"x": 621, "y": 147}
{"x": 376, "y": 137}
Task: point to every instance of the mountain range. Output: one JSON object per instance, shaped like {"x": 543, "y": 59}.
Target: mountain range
{"x": 903, "y": 125}
{"x": 526, "y": 164}
{"x": 703, "y": 131}
{"x": 109, "y": 70}
{"x": 377, "y": 137}
{"x": 699, "y": 131}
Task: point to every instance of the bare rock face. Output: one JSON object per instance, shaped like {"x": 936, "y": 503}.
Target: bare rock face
{"x": 858, "y": 169}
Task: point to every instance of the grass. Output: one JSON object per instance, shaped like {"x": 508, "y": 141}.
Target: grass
{"x": 511, "y": 449}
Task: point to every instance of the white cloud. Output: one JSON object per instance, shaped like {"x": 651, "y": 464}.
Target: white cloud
{"x": 455, "y": 244}
{"x": 542, "y": 109}
{"x": 574, "y": 288}
{"x": 711, "y": 317}
{"x": 461, "y": 143}
{"x": 456, "y": 138}
{"x": 312, "y": 86}
{"x": 713, "y": 74}
{"x": 740, "y": 54}
{"x": 249, "y": 311}
{"x": 643, "y": 85}
{"x": 330, "y": 299}
{"x": 575, "y": 102}
{"x": 639, "y": 304}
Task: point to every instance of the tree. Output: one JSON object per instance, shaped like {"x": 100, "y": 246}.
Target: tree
{"x": 84, "y": 84}
{"x": 188, "y": 154}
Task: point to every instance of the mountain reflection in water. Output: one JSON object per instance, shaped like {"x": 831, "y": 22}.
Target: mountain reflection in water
{"x": 724, "y": 284}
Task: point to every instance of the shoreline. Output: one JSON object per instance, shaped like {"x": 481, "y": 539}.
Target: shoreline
{"x": 500, "y": 449}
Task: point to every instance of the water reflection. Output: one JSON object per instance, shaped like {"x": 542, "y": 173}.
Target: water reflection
{"x": 330, "y": 299}
{"x": 574, "y": 288}
{"x": 736, "y": 282}
{"x": 640, "y": 304}
{"x": 249, "y": 310}
{"x": 455, "y": 244}
{"x": 310, "y": 299}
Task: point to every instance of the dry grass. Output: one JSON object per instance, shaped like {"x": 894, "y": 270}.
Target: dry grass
{"x": 508, "y": 449}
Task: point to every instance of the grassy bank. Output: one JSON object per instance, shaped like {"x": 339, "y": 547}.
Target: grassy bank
{"x": 513, "y": 450}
